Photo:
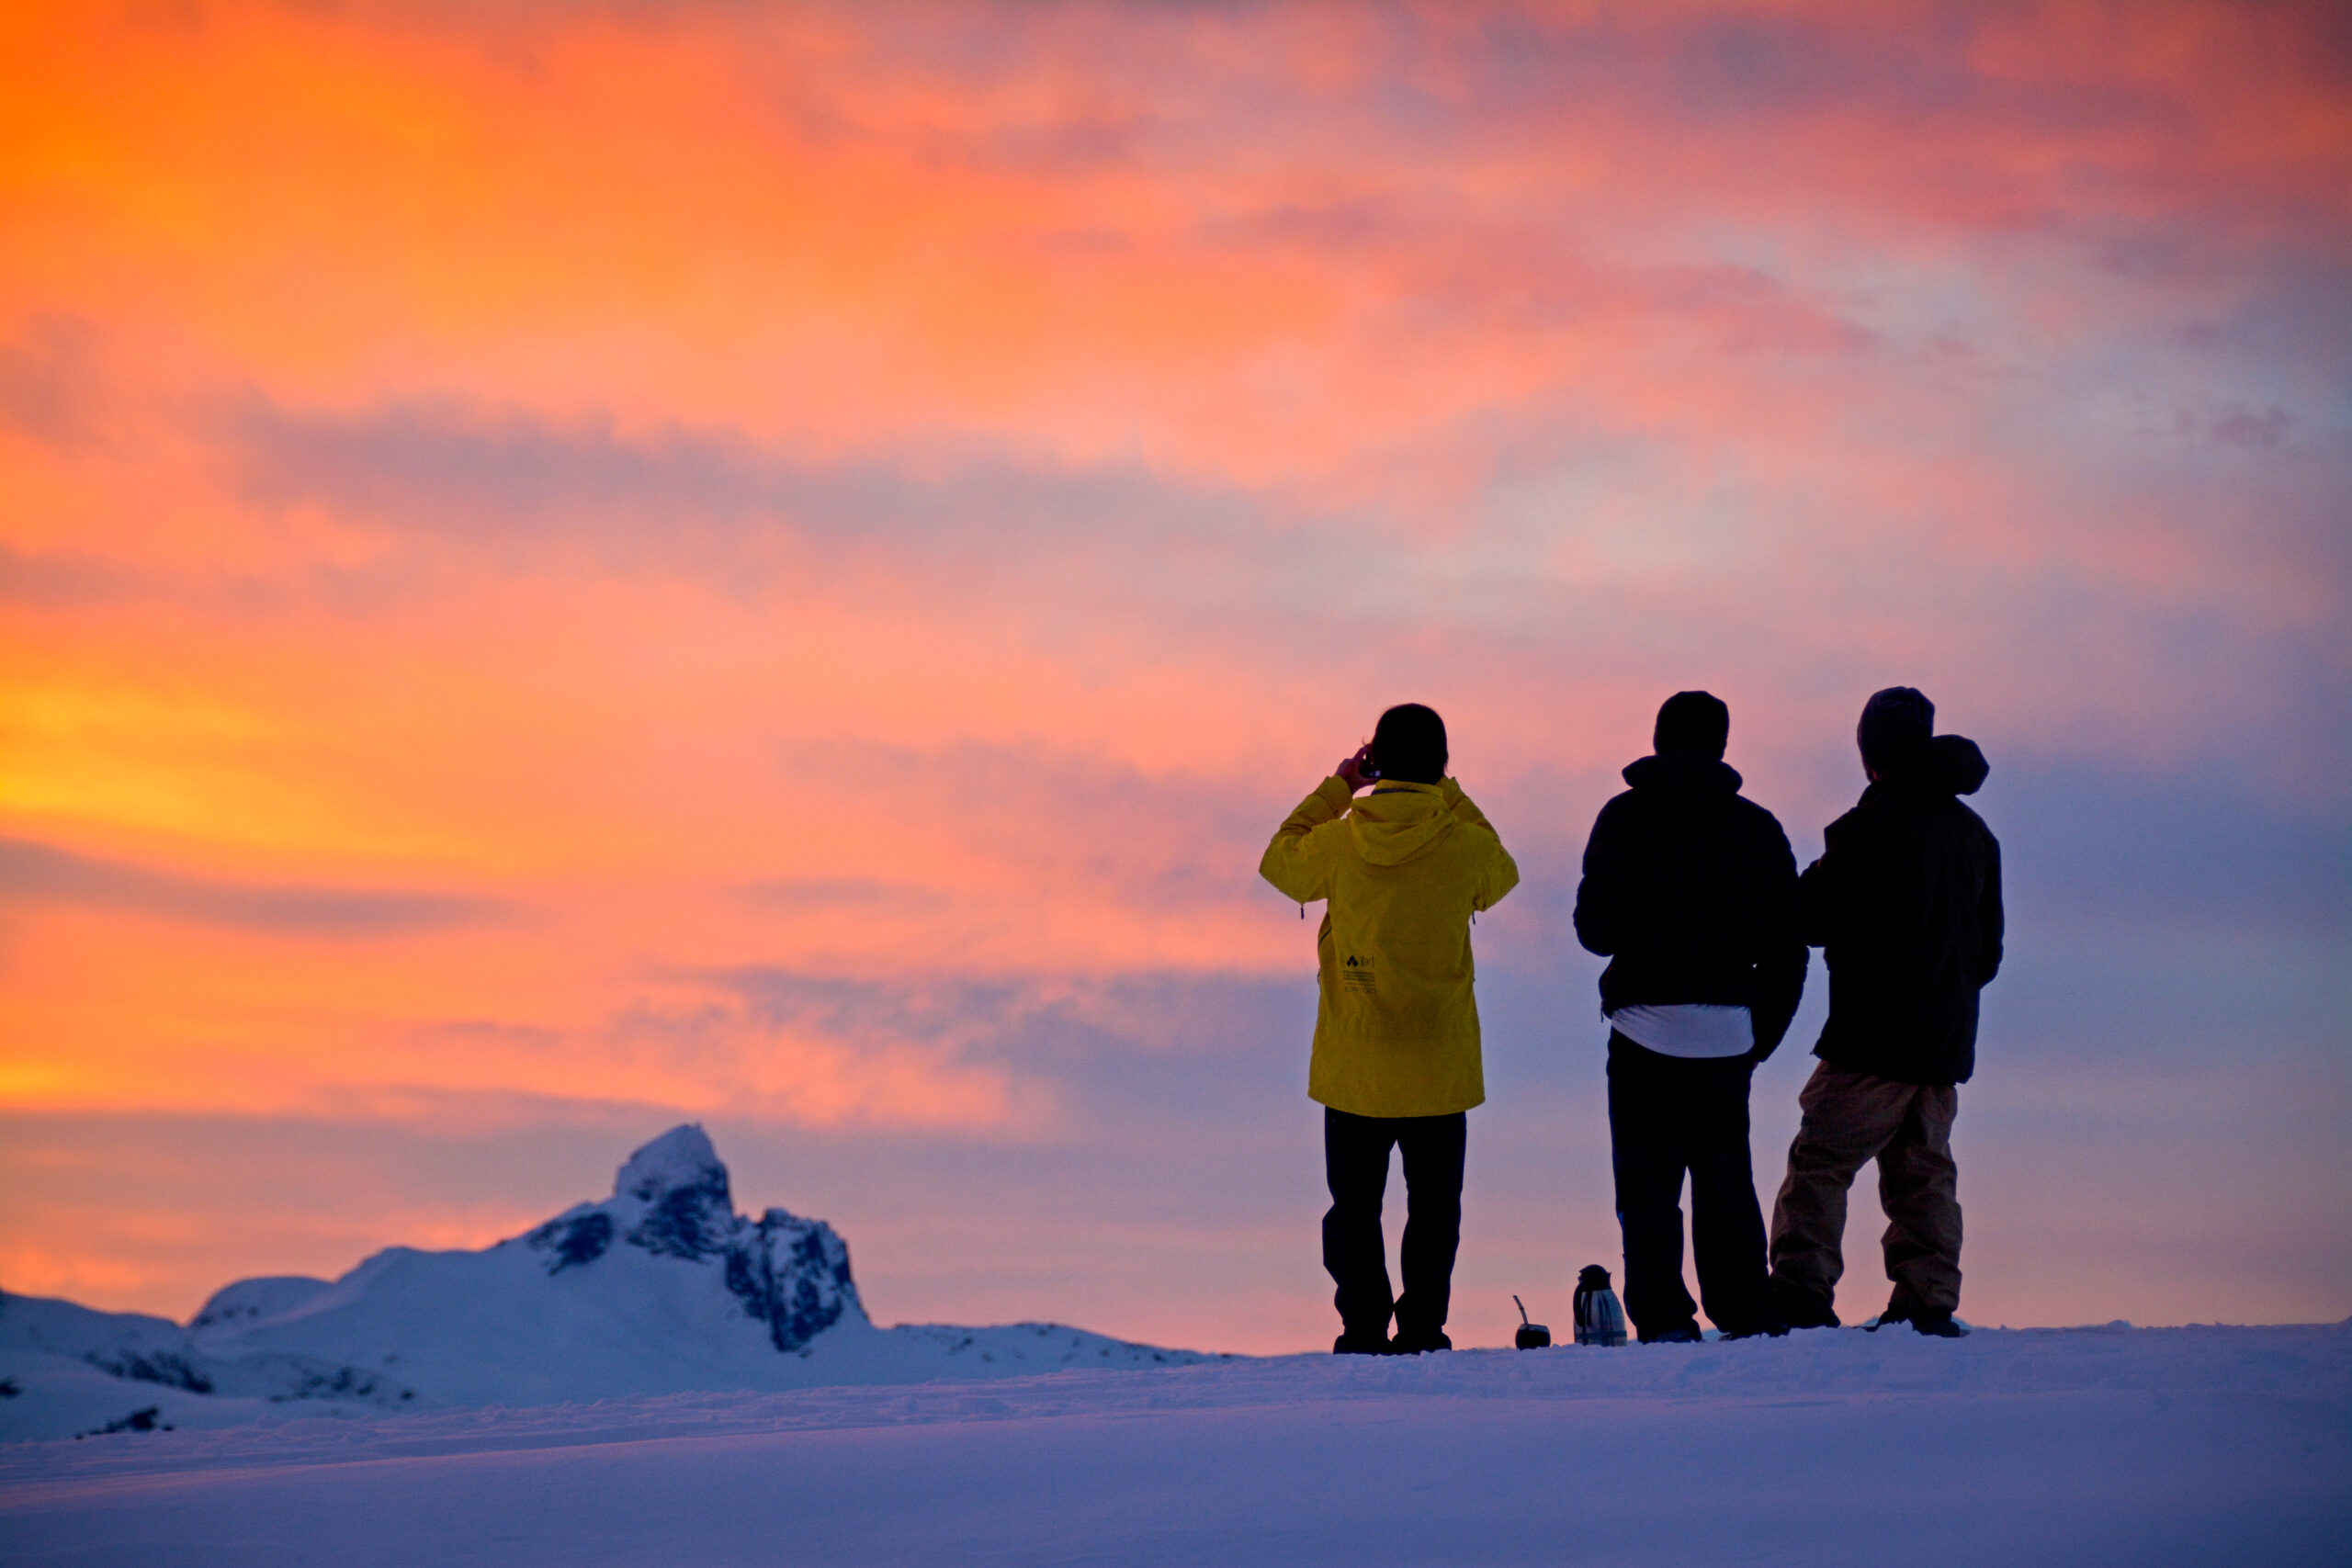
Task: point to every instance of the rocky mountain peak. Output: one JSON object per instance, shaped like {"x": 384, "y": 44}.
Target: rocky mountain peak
{"x": 670, "y": 1199}
{"x": 680, "y": 1160}
{"x": 686, "y": 1211}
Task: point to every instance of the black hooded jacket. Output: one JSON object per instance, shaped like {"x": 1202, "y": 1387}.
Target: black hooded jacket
{"x": 1691, "y": 893}
{"x": 1906, "y": 902}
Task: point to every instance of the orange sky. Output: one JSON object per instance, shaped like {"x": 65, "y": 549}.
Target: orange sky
{"x": 526, "y": 523}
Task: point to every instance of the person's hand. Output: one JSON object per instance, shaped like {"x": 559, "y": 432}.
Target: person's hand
{"x": 1356, "y": 771}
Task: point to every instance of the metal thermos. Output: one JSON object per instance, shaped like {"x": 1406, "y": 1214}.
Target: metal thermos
{"x": 1531, "y": 1335}
{"x": 1599, "y": 1319}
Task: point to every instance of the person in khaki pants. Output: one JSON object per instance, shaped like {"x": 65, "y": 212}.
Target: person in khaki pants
{"x": 1906, "y": 904}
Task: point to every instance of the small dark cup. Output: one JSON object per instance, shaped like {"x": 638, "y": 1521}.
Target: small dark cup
{"x": 1532, "y": 1336}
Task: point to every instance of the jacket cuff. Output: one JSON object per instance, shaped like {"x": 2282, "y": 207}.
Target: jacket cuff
{"x": 1334, "y": 793}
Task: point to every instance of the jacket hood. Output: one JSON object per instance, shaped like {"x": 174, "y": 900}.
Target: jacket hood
{"x": 1949, "y": 764}
{"x": 1399, "y": 822}
{"x": 1693, "y": 773}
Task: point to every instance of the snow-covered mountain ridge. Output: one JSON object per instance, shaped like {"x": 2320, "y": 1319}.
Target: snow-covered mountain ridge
{"x": 660, "y": 1288}
{"x": 672, "y": 1200}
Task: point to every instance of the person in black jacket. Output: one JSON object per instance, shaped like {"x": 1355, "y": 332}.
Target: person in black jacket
{"x": 1691, "y": 893}
{"x": 1906, "y": 904}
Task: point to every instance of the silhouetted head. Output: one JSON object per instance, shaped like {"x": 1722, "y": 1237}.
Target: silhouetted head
{"x": 1895, "y": 722}
{"x": 1409, "y": 744}
{"x": 1692, "y": 721}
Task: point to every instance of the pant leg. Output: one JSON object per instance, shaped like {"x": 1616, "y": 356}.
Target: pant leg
{"x": 1726, "y": 1224}
{"x": 1433, "y": 1148}
{"x": 1848, "y": 1118}
{"x": 1355, "y": 1166}
{"x": 1646, "y": 1158}
{"x": 1918, "y": 1186}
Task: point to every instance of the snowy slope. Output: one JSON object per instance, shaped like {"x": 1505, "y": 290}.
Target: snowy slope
{"x": 128, "y": 1346}
{"x": 65, "y": 1368}
{"x": 659, "y": 1288}
{"x": 249, "y": 1301}
{"x": 2013, "y": 1447}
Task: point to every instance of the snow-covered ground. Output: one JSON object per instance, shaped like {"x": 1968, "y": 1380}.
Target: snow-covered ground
{"x": 2021, "y": 1447}
{"x": 655, "y": 1379}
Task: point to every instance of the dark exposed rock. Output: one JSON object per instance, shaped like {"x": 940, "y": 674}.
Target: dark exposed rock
{"x": 335, "y": 1383}
{"x": 791, "y": 1274}
{"x": 688, "y": 1210}
{"x": 147, "y": 1420}
{"x": 158, "y": 1367}
{"x": 686, "y": 1222}
{"x": 573, "y": 1242}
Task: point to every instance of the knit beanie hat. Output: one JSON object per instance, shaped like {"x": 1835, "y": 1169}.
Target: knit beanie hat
{"x": 1692, "y": 721}
{"x": 1894, "y": 721}
{"x": 1408, "y": 744}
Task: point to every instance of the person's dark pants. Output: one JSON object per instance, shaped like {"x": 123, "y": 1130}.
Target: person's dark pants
{"x": 1669, "y": 1115}
{"x": 1355, "y": 1162}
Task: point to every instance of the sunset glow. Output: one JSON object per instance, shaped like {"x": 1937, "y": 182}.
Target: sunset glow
{"x": 567, "y": 568}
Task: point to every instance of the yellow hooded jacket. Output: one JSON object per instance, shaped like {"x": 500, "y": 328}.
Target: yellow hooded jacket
{"x": 1396, "y": 1031}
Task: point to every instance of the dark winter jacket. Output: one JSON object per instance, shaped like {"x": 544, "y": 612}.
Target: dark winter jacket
{"x": 1906, "y": 902}
{"x": 1691, "y": 893}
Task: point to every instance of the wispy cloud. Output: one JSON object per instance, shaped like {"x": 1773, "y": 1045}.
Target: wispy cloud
{"x": 49, "y": 386}
{"x": 33, "y": 873}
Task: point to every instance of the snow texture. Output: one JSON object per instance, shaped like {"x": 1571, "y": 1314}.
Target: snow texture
{"x": 655, "y": 1379}
{"x": 1832, "y": 1447}
{"x": 661, "y": 1287}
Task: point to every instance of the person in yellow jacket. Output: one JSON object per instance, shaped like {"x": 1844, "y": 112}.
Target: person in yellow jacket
{"x": 1396, "y": 1060}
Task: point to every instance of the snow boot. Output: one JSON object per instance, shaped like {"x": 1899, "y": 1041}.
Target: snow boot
{"x": 1800, "y": 1308}
{"x": 1413, "y": 1342}
{"x": 1363, "y": 1342}
{"x": 1932, "y": 1321}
